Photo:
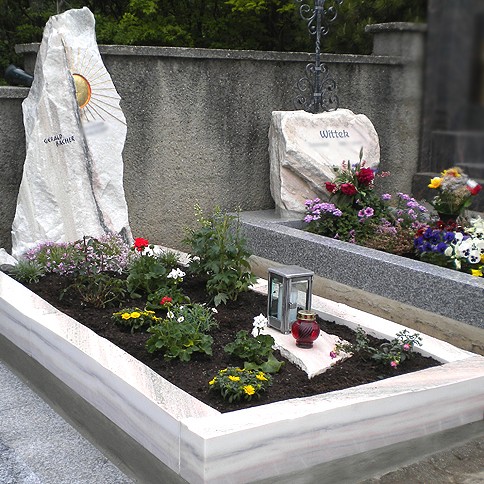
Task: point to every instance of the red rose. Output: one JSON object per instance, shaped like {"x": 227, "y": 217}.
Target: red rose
{"x": 331, "y": 187}
{"x": 365, "y": 176}
{"x": 348, "y": 189}
{"x": 140, "y": 244}
{"x": 166, "y": 299}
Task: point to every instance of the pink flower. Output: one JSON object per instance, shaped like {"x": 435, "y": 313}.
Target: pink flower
{"x": 333, "y": 354}
{"x": 331, "y": 187}
{"x": 394, "y": 364}
{"x": 406, "y": 347}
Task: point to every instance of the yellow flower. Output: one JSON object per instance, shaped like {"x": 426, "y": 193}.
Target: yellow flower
{"x": 455, "y": 172}
{"x": 234, "y": 378}
{"x": 435, "y": 182}
{"x": 260, "y": 376}
{"x": 125, "y": 315}
{"x": 223, "y": 371}
{"x": 249, "y": 389}
{"x": 476, "y": 272}
{"x": 212, "y": 381}
{"x": 135, "y": 314}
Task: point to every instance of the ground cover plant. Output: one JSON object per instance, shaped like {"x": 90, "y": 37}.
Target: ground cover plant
{"x": 216, "y": 353}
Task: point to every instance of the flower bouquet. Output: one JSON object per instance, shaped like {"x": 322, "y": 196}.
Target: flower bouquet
{"x": 454, "y": 193}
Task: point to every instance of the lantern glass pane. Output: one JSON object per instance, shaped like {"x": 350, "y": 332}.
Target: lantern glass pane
{"x": 298, "y": 298}
{"x": 276, "y": 297}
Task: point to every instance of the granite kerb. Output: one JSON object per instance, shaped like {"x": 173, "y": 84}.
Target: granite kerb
{"x": 442, "y": 291}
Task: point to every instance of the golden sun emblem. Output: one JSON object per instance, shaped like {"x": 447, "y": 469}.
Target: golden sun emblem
{"x": 95, "y": 92}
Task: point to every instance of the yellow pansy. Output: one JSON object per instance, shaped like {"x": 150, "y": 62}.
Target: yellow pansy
{"x": 476, "y": 272}
{"x": 234, "y": 378}
{"x": 125, "y": 315}
{"x": 249, "y": 389}
{"x": 435, "y": 182}
{"x": 135, "y": 314}
{"x": 212, "y": 382}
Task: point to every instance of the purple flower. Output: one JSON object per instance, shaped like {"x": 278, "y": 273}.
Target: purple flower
{"x": 369, "y": 211}
{"x": 333, "y": 354}
{"x": 386, "y": 196}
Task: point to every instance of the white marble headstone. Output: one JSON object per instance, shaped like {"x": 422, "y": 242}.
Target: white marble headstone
{"x": 72, "y": 182}
{"x": 303, "y": 148}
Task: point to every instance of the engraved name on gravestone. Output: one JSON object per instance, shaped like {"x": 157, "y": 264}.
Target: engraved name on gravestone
{"x": 304, "y": 148}
{"x": 72, "y": 183}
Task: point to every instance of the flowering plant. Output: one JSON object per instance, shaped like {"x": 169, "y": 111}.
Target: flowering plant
{"x": 183, "y": 332}
{"x": 453, "y": 246}
{"x": 356, "y": 214}
{"x": 134, "y": 318}
{"x": 454, "y": 191}
{"x": 393, "y": 352}
{"x": 237, "y": 383}
{"x": 352, "y": 182}
{"x": 256, "y": 349}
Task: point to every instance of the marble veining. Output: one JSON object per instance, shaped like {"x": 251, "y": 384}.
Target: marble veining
{"x": 204, "y": 446}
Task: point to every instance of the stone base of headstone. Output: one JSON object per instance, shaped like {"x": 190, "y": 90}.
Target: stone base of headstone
{"x": 304, "y": 148}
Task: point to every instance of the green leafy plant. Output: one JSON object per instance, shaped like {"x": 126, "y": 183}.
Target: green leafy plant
{"x": 101, "y": 290}
{"x": 255, "y": 349}
{"x": 149, "y": 271}
{"x": 27, "y": 271}
{"x": 236, "y": 383}
{"x": 135, "y": 318}
{"x": 219, "y": 251}
{"x": 393, "y": 352}
{"x": 183, "y": 332}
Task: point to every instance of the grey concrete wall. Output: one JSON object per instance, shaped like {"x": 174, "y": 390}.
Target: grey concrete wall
{"x": 198, "y": 123}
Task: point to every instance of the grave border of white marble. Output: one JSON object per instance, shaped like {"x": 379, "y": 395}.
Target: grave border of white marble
{"x": 210, "y": 446}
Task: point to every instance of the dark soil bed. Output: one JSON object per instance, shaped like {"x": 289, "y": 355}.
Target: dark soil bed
{"x": 193, "y": 377}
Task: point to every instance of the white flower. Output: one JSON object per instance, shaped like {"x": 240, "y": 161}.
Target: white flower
{"x": 449, "y": 251}
{"x": 176, "y": 274}
{"x": 170, "y": 315}
{"x": 181, "y": 319}
{"x": 214, "y": 310}
{"x": 255, "y": 332}
{"x": 260, "y": 321}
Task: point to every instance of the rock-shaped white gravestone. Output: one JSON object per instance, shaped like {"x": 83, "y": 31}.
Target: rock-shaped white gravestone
{"x": 304, "y": 148}
{"x": 72, "y": 182}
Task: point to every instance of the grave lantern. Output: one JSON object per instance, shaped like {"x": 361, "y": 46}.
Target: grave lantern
{"x": 289, "y": 290}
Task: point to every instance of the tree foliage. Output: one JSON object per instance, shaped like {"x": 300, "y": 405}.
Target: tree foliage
{"x": 227, "y": 24}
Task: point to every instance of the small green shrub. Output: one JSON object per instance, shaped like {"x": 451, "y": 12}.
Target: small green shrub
{"x": 393, "y": 352}
{"x": 183, "y": 333}
{"x": 101, "y": 290}
{"x": 150, "y": 272}
{"x": 26, "y": 271}
{"x": 256, "y": 352}
{"x": 219, "y": 251}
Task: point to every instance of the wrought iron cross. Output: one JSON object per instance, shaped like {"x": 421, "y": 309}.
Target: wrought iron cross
{"x": 317, "y": 90}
